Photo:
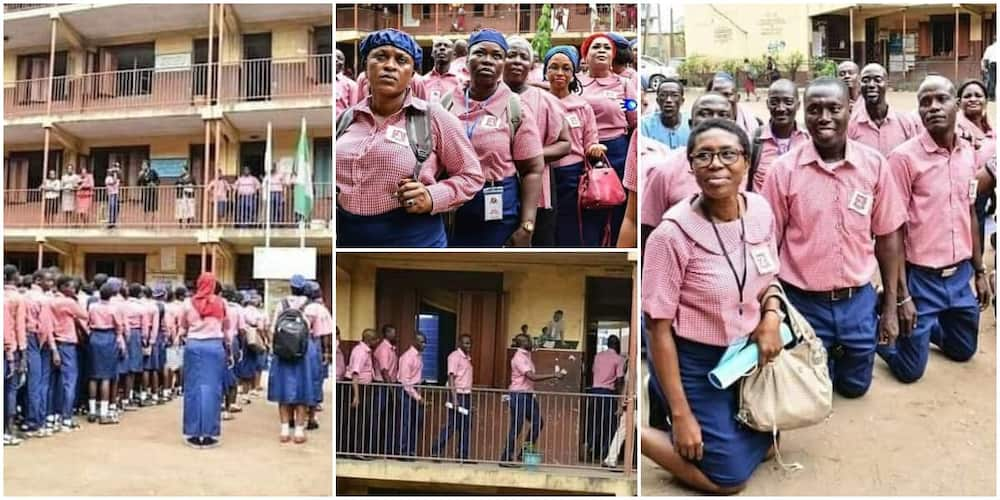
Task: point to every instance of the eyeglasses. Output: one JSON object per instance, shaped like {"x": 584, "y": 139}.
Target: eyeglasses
{"x": 703, "y": 159}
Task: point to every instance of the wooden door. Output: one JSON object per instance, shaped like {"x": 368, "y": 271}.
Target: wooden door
{"x": 479, "y": 314}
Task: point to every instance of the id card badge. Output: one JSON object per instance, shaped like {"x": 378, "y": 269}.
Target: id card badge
{"x": 573, "y": 120}
{"x": 611, "y": 94}
{"x": 763, "y": 259}
{"x": 973, "y": 188}
{"x": 860, "y": 202}
{"x": 435, "y": 96}
{"x": 493, "y": 202}
{"x": 397, "y": 135}
{"x": 490, "y": 121}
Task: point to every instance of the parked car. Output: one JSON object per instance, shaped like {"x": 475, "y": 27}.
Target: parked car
{"x": 652, "y": 71}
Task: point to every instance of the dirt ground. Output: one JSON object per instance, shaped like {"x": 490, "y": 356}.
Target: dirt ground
{"x": 145, "y": 455}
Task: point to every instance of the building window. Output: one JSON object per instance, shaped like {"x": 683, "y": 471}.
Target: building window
{"x": 426, "y": 11}
{"x": 479, "y": 9}
{"x": 942, "y": 35}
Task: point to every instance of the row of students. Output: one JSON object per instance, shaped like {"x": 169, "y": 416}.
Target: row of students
{"x": 497, "y": 154}
{"x": 717, "y": 250}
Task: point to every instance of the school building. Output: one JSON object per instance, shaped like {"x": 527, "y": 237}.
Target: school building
{"x": 489, "y": 296}
{"x": 571, "y": 23}
{"x": 910, "y": 40}
{"x": 178, "y": 86}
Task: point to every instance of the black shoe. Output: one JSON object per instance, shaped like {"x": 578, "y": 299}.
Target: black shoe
{"x": 91, "y": 418}
{"x": 209, "y": 442}
{"x": 510, "y": 465}
{"x": 312, "y": 425}
{"x": 194, "y": 442}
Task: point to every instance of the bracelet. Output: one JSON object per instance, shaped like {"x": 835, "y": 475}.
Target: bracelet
{"x": 981, "y": 270}
{"x": 908, "y": 299}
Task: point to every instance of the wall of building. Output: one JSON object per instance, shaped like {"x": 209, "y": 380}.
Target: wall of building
{"x": 535, "y": 290}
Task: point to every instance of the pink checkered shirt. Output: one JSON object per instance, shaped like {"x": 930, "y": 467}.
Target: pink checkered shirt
{"x": 770, "y": 151}
{"x": 810, "y": 197}
{"x": 550, "y": 121}
{"x": 895, "y": 130}
{"x": 104, "y": 315}
{"x": 491, "y": 134}
{"x": 631, "y": 180}
{"x": 581, "y": 136}
{"x": 984, "y": 141}
{"x": 370, "y": 166}
{"x": 605, "y": 96}
{"x": 609, "y": 366}
{"x": 687, "y": 279}
{"x": 386, "y": 358}
{"x": 361, "y": 363}
{"x": 460, "y": 365}
{"x": 438, "y": 85}
{"x": 746, "y": 120}
{"x": 65, "y": 312}
{"x": 340, "y": 364}
{"x": 937, "y": 189}
{"x": 668, "y": 180}
{"x": 247, "y": 185}
{"x": 15, "y": 331}
{"x": 40, "y": 320}
{"x": 345, "y": 93}
{"x": 319, "y": 318}
{"x": 520, "y": 365}
{"x": 411, "y": 368}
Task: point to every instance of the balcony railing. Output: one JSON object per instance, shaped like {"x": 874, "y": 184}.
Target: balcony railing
{"x": 161, "y": 207}
{"x": 575, "y": 430}
{"x": 15, "y": 7}
{"x": 149, "y": 88}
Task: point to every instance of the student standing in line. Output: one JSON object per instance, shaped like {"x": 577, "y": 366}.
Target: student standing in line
{"x": 15, "y": 343}
{"x": 107, "y": 343}
{"x": 148, "y": 393}
{"x": 291, "y": 382}
{"x": 139, "y": 323}
{"x": 235, "y": 334}
{"x": 460, "y": 413}
{"x": 41, "y": 344}
{"x": 175, "y": 349}
{"x": 523, "y": 402}
{"x": 936, "y": 174}
{"x": 247, "y": 367}
{"x": 345, "y": 89}
{"x": 321, "y": 327}
{"x": 411, "y": 367}
{"x": 850, "y": 192}
{"x": 206, "y": 353}
{"x": 68, "y": 315}
{"x": 707, "y": 274}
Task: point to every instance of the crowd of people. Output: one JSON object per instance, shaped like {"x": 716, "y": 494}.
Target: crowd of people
{"x": 381, "y": 401}
{"x": 488, "y": 148}
{"x": 104, "y": 347}
{"x": 70, "y": 199}
{"x": 740, "y": 214}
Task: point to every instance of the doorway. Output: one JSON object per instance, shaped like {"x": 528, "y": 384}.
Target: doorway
{"x": 608, "y": 312}
{"x": 252, "y": 155}
{"x": 257, "y": 66}
{"x": 200, "y": 84}
{"x": 438, "y": 326}
{"x": 131, "y": 267}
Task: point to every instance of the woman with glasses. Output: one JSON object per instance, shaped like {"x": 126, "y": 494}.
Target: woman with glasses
{"x": 707, "y": 267}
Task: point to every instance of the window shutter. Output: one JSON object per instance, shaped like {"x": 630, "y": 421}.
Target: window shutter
{"x": 924, "y": 40}
{"x": 962, "y": 43}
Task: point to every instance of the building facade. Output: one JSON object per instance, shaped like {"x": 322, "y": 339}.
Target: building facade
{"x": 193, "y": 87}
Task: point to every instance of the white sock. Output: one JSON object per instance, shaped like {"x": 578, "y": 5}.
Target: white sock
{"x": 300, "y": 431}
{"x": 143, "y": 395}
{"x": 131, "y": 394}
{"x": 285, "y": 429}
{"x": 104, "y": 408}
{"x": 113, "y": 407}
{"x": 164, "y": 393}
{"x": 92, "y": 406}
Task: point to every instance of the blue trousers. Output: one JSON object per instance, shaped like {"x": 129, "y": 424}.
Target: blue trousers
{"x": 523, "y": 406}
{"x": 64, "y": 378}
{"x": 9, "y": 393}
{"x": 602, "y": 423}
{"x": 471, "y": 230}
{"x": 112, "y": 209}
{"x": 947, "y": 316}
{"x": 277, "y": 206}
{"x": 246, "y": 209}
{"x": 849, "y": 331}
{"x": 386, "y": 419}
{"x": 568, "y": 213}
{"x": 413, "y": 422}
{"x": 204, "y": 363}
{"x": 39, "y": 382}
{"x": 392, "y": 229}
{"x": 459, "y": 422}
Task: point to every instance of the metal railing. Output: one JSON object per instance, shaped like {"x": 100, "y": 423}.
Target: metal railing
{"x": 159, "y": 207}
{"x": 187, "y": 87}
{"x": 15, "y": 7}
{"x": 567, "y": 430}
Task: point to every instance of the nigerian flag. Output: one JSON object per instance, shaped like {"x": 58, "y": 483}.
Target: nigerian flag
{"x": 303, "y": 176}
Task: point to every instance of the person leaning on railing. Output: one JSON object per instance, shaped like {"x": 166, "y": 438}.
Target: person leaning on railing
{"x": 112, "y": 183}
{"x": 184, "y": 210}
{"x": 148, "y": 180}
{"x": 70, "y": 185}
{"x": 50, "y": 194}
{"x": 85, "y": 195}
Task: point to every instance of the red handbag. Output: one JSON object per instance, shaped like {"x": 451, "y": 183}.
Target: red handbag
{"x": 599, "y": 189}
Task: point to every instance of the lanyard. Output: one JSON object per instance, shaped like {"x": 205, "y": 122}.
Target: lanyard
{"x": 740, "y": 284}
{"x": 471, "y": 129}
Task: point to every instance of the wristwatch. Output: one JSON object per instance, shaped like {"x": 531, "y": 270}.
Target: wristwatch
{"x": 528, "y": 226}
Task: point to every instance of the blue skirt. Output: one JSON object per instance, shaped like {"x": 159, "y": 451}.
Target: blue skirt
{"x": 204, "y": 364}
{"x": 392, "y": 229}
{"x": 294, "y": 383}
{"x": 161, "y": 348}
{"x": 617, "y": 152}
{"x": 472, "y": 231}
{"x": 246, "y": 368}
{"x": 321, "y": 369}
{"x": 732, "y": 451}
{"x": 134, "y": 343}
{"x": 103, "y": 354}
{"x": 568, "y": 213}
{"x": 155, "y": 359}
{"x": 229, "y": 379}
{"x": 262, "y": 362}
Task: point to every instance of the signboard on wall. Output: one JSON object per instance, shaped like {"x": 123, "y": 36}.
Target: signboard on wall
{"x": 280, "y": 263}
{"x": 168, "y": 167}
{"x": 173, "y": 62}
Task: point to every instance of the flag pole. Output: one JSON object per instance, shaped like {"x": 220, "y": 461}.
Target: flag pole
{"x": 267, "y": 188}
{"x": 302, "y": 217}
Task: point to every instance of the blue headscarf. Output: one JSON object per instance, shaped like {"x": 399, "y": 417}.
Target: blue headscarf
{"x": 400, "y": 40}
{"x": 566, "y": 50}
{"x": 488, "y": 35}
{"x": 620, "y": 42}
{"x": 634, "y": 43}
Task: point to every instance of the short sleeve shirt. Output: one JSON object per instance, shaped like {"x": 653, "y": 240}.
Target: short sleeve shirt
{"x": 605, "y": 96}
{"x": 582, "y": 128}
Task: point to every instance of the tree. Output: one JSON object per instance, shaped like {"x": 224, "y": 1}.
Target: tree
{"x": 543, "y": 38}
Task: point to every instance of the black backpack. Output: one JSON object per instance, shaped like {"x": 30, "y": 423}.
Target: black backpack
{"x": 291, "y": 333}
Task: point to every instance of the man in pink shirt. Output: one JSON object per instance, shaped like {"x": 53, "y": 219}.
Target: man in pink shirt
{"x": 441, "y": 80}
{"x": 41, "y": 345}
{"x": 936, "y": 174}
{"x": 779, "y": 135}
{"x": 843, "y": 190}
{"x": 219, "y": 189}
{"x": 68, "y": 315}
{"x": 609, "y": 376}
{"x": 411, "y": 367}
{"x": 458, "y": 64}
{"x": 138, "y": 324}
{"x": 460, "y": 412}
{"x": 346, "y": 90}
{"x": 15, "y": 342}
{"x": 361, "y": 371}
{"x": 386, "y": 368}
{"x": 724, "y": 84}
{"x": 247, "y": 188}
{"x": 874, "y": 124}
{"x": 523, "y": 404}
